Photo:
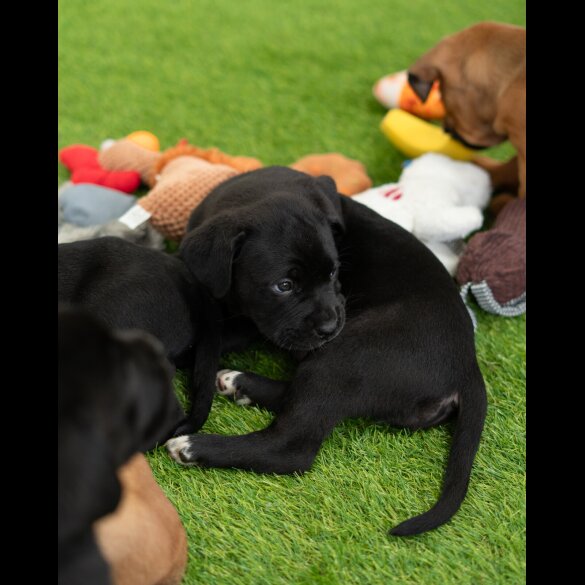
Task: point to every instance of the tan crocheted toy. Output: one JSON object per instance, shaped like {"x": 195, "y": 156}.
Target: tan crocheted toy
{"x": 183, "y": 175}
{"x": 180, "y": 186}
{"x": 180, "y": 179}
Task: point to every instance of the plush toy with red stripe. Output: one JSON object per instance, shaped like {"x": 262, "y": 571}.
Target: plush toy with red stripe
{"x": 82, "y": 162}
{"x": 438, "y": 199}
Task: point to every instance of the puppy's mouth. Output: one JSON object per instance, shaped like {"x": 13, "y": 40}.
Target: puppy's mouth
{"x": 295, "y": 341}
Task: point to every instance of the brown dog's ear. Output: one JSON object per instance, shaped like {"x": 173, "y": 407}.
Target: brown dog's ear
{"x": 421, "y": 78}
{"x": 209, "y": 250}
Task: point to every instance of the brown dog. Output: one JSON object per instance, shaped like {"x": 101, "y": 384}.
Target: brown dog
{"x": 143, "y": 541}
{"x": 482, "y": 75}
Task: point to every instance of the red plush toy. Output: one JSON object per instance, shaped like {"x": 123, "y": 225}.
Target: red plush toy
{"x": 83, "y": 163}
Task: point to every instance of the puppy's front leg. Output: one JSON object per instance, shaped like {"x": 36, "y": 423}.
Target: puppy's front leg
{"x": 289, "y": 444}
{"x": 251, "y": 389}
{"x": 201, "y": 384}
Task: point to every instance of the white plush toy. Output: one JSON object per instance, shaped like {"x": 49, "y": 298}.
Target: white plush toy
{"x": 438, "y": 199}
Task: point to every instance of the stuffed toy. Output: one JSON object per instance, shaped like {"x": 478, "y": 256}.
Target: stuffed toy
{"x": 493, "y": 266}
{"x": 85, "y": 204}
{"x": 180, "y": 186}
{"x": 88, "y": 211}
{"x": 415, "y": 137}
{"x": 82, "y": 162}
{"x": 349, "y": 175}
{"x": 437, "y": 199}
{"x": 180, "y": 178}
{"x": 394, "y": 91}
{"x": 125, "y": 154}
{"x": 146, "y": 139}
{"x": 183, "y": 175}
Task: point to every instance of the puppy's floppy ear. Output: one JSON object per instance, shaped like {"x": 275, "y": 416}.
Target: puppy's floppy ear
{"x": 421, "y": 77}
{"x": 152, "y": 411}
{"x": 334, "y": 212}
{"x": 209, "y": 251}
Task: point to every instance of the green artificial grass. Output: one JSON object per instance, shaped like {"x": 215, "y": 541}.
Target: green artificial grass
{"x": 280, "y": 80}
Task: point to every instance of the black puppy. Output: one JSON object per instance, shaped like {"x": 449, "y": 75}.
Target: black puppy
{"x": 129, "y": 286}
{"x": 115, "y": 397}
{"x": 272, "y": 261}
{"x": 406, "y": 356}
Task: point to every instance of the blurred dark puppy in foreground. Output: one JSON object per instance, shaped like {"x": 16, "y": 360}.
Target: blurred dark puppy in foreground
{"x": 115, "y": 397}
{"x": 131, "y": 287}
{"x": 406, "y": 355}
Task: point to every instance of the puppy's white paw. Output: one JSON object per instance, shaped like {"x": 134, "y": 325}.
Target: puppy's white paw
{"x": 179, "y": 449}
{"x": 243, "y": 400}
{"x": 225, "y": 382}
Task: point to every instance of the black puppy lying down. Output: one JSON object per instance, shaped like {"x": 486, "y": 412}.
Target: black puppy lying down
{"x": 131, "y": 287}
{"x": 405, "y": 356}
{"x": 115, "y": 397}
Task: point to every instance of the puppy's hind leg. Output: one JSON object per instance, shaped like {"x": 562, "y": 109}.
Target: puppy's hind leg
{"x": 251, "y": 389}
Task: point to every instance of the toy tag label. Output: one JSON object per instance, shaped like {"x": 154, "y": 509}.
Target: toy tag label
{"x": 135, "y": 216}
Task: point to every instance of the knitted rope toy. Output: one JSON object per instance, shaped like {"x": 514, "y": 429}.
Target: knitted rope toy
{"x": 437, "y": 199}
{"x": 493, "y": 266}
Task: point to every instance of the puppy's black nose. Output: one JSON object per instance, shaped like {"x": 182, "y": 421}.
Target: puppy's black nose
{"x": 327, "y": 328}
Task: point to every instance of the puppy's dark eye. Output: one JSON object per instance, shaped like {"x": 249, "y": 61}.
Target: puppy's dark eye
{"x": 283, "y": 286}
{"x": 333, "y": 273}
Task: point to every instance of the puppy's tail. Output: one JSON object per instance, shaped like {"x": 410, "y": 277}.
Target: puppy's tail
{"x": 468, "y": 427}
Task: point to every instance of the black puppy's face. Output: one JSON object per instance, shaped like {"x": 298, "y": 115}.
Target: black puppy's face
{"x": 273, "y": 258}
{"x": 285, "y": 278}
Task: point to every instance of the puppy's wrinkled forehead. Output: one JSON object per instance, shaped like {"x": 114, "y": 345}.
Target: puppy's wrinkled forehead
{"x": 300, "y": 241}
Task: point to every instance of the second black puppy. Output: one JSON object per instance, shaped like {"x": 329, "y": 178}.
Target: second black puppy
{"x": 131, "y": 287}
{"x": 406, "y": 355}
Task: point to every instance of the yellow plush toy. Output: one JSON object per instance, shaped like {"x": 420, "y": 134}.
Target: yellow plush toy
{"x": 415, "y": 137}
